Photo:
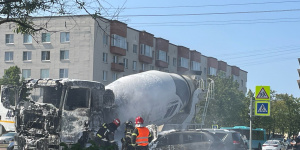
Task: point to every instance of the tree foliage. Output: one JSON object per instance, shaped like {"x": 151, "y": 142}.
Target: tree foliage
{"x": 230, "y": 107}
{"x": 228, "y": 104}
{"x": 22, "y": 11}
{"x": 11, "y": 76}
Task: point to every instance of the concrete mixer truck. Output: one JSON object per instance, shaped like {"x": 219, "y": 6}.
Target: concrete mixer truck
{"x": 160, "y": 97}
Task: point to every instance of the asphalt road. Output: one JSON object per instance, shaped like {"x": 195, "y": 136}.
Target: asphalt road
{"x": 3, "y": 146}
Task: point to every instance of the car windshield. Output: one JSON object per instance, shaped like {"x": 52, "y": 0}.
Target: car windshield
{"x": 9, "y": 134}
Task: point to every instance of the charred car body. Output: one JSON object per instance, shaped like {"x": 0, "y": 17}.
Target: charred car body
{"x": 55, "y": 111}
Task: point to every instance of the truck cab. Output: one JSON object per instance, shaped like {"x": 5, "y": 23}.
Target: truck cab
{"x": 50, "y": 111}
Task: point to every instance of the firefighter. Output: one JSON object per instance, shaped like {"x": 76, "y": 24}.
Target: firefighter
{"x": 141, "y": 135}
{"x": 105, "y": 135}
{"x": 126, "y": 141}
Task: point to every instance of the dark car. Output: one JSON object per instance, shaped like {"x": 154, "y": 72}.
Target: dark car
{"x": 187, "y": 140}
{"x": 233, "y": 140}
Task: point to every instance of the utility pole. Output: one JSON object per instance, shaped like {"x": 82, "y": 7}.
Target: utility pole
{"x": 250, "y": 138}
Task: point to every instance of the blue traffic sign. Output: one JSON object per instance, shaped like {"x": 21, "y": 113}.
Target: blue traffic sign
{"x": 262, "y": 108}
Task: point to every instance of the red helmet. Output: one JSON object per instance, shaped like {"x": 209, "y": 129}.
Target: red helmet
{"x": 139, "y": 120}
{"x": 117, "y": 122}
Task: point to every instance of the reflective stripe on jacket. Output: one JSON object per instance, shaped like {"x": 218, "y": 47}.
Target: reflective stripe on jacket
{"x": 142, "y": 138}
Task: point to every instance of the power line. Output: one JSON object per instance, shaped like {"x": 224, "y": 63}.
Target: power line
{"x": 220, "y": 5}
{"x": 258, "y": 50}
{"x": 196, "y": 22}
{"x": 215, "y": 13}
{"x": 261, "y": 59}
{"x": 258, "y": 54}
{"x": 261, "y": 22}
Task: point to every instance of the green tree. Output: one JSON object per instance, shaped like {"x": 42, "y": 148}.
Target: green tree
{"x": 11, "y": 76}
{"x": 21, "y": 11}
{"x": 289, "y": 111}
{"x": 226, "y": 109}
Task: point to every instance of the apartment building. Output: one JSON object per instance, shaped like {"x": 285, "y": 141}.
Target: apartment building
{"x": 79, "y": 47}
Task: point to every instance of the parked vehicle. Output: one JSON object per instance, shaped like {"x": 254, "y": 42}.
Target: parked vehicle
{"x": 5, "y": 138}
{"x": 233, "y": 140}
{"x": 274, "y": 145}
{"x": 259, "y": 135}
{"x": 281, "y": 138}
{"x": 188, "y": 140}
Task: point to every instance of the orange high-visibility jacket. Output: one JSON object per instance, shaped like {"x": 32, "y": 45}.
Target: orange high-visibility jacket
{"x": 142, "y": 138}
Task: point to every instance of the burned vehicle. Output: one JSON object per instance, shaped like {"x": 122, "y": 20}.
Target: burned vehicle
{"x": 55, "y": 111}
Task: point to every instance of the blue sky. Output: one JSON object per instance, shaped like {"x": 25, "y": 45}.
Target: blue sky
{"x": 261, "y": 37}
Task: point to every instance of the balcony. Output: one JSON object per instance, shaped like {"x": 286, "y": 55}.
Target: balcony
{"x": 162, "y": 64}
{"x": 117, "y": 50}
{"x": 145, "y": 59}
{"x": 119, "y": 67}
{"x": 182, "y": 69}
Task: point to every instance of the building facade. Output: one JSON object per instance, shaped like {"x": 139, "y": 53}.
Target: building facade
{"x": 79, "y": 47}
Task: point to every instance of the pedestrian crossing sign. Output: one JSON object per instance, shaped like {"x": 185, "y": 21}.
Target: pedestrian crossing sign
{"x": 262, "y": 93}
{"x": 262, "y": 108}
{"x": 214, "y": 126}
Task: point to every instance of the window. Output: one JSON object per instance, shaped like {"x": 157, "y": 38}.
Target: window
{"x": 105, "y": 39}
{"x": 174, "y": 62}
{"x": 115, "y": 76}
{"x": 63, "y": 73}
{"x": 204, "y": 70}
{"x": 127, "y": 47}
{"x": 64, "y": 55}
{"x": 235, "y": 78}
{"x": 44, "y": 73}
{"x": 212, "y": 71}
{"x": 151, "y": 67}
{"x": 9, "y": 56}
{"x": 168, "y": 57}
{"x": 27, "y": 38}
{"x": 144, "y": 66}
{"x": 115, "y": 59}
{"x": 9, "y": 38}
{"x": 105, "y": 57}
{"x": 26, "y": 73}
{"x": 45, "y": 55}
{"x": 104, "y": 78}
{"x": 46, "y": 37}
{"x": 134, "y": 65}
{"x": 125, "y": 61}
{"x": 184, "y": 62}
{"x": 77, "y": 98}
{"x": 26, "y": 56}
{"x": 146, "y": 50}
{"x": 118, "y": 41}
{"x": 134, "y": 48}
{"x": 195, "y": 66}
{"x": 64, "y": 37}
{"x": 162, "y": 55}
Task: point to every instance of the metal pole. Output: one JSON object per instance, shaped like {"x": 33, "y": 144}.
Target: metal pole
{"x": 250, "y": 138}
